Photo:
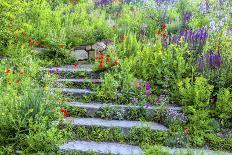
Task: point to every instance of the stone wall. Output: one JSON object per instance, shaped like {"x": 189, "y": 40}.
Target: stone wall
{"x": 89, "y": 52}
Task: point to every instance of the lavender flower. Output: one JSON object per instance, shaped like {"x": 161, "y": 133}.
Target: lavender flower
{"x": 148, "y": 86}
{"x": 194, "y": 39}
{"x": 210, "y": 60}
{"x": 50, "y": 70}
{"x": 102, "y": 2}
{"x": 187, "y": 17}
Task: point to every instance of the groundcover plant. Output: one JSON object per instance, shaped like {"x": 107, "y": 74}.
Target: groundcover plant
{"x": 144, "y": 76}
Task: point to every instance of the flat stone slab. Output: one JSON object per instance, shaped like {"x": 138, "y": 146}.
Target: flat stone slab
{"x": 97, "y": 106}
{"x": 174, "y": 151}
{"x": 76, "y": 91}
{"x": 81, "y": 80}
{"x": 101, "y": 148}
{"x": 68, "y": 68}
{"x": 125, "y": 125}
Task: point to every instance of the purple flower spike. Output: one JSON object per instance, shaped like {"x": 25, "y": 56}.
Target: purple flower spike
{"x": 148, "y": 86}
{"x": 50, "y": 70}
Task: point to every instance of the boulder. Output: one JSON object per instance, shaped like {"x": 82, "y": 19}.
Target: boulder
{"x": 80, "y": 54}
{"x": 99, "y": 46}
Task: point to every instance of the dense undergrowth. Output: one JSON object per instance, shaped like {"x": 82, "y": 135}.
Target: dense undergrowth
{"x": 181, "y": 50}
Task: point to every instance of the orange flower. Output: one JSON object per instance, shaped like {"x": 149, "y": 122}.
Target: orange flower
{"x": 164, "y": 26}
{"x": 61, "y": 45}
{"x": 101, "y": 56}
{"x": 100, "y": 64}
{"x": 65, "y": 112}
{"x": 31, "y": 45}
{"x": 8, "y": 71}
{"x": 18, "y": 81}
{"x": 158, "y": 32}
{"x": 116, "y": 62}
{"x": 107, "y": 59}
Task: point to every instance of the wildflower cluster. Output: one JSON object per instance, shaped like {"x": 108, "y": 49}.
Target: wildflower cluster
{"x": 163, "y": 31}
{"x": 17, "y": 75}
{"x": 106, "y": 61}
{"x": 65, "y": 112}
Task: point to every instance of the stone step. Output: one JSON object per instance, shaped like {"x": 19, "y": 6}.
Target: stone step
{"x": 123, "y": 124}
{"x": 68, "y": 68}
{"x": 74, "y": 92}
{"x": 125, "y": 149}
{"x": 100, "y": 148}
{"x": 93, "y": 107}
{"x": 69, "y": 71}
{"x": 81, "y": 80}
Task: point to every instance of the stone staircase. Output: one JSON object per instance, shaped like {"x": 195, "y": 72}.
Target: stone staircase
{"x": 90, "y": 119}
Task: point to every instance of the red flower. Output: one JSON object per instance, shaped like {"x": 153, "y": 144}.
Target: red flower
{"x": 42, "y": 46}
{"x": 101, "y": 56}
{"x": 65, "y": 112}
{"x": 30, "y": 39}
{"x": 61, "y": 45}
{"x": 164, "y": 35}
{"x": 31, "y": 45}
{"x": 107, "y": 59}
{"x": 158, "y": 32}
{"x": 100, "y": 64}
{"x": 164, "y": 26}
{"x": 18, "y": 81}
{"x": 96, "y": 58}
{"x": 8, "y": 71}
{"x": 116, "y": 62}
{"x": 75, "y": 65}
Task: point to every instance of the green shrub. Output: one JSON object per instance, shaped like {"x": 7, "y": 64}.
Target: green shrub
{"x": 224, "y": 106}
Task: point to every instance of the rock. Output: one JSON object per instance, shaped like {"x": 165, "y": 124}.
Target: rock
{"x": 88, "y": 48}
{"x": 99, "y": 46}
{"x": 108, "y": 42}
{"x": 80, "y": 54}
{"x": 92, "y": 55}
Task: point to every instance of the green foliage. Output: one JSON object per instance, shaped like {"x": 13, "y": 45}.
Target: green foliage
{"x": 224, "y": 106}
{"x": 27, "y": 110}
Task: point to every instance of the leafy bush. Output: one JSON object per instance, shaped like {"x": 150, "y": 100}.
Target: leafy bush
{"x": 27, "y": 110}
